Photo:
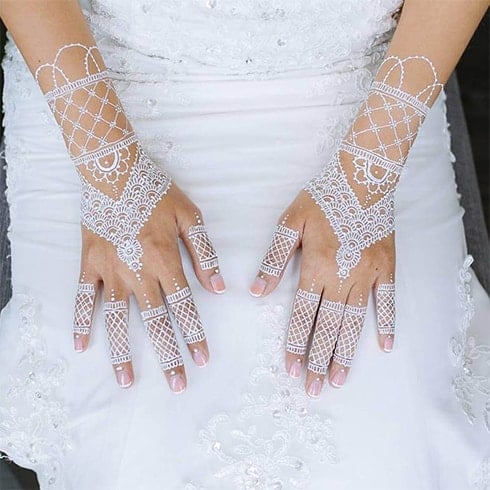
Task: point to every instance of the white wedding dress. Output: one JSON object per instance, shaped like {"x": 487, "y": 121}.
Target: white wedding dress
{"x": 242, "y": 101}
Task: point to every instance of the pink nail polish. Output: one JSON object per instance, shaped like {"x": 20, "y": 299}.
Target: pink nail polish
{"x": 295, "y": 369}
{"x": 217, "y": 283}
{"x": 258, "y": 287}
{"x": 78, "y": 343}
{"x": 199, "y": 357}
{"x": 177, "y": 384}
{"x": 338, "y": 378}
{"x": 388, "y": 345}
{"x": 123, "y": 379}
{"x": 315, "y": 388}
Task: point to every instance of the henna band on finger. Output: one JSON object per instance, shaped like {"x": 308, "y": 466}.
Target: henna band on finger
{"x": 116, "y": 322}
{"x": 84, "y": 308}
{"x": 349, "y": 334}
{"x": 162, "y": 335}
{"x": 385, "y": 307}
{"x": 301, "y": 323}
{"x": 283, "y": 242}
{"x": 186, "y": 315}
{"x": 206, "y": 254}
{"x": 326, "y": 331}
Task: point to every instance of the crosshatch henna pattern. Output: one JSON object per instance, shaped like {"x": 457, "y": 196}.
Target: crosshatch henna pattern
{"x": 116, "y": 322}
{"x": 84, "y": 308}
{"x": 326, "y": 330}
{"x": 350, "y": 331}
{"x": 301, "y": 323}
{"x": 385, "y": 307}
{"x": 205, "y": 251}
{"x": 186, "y": 315}
{"x": 161, "y": 333}
{"x": 283, "y": 242}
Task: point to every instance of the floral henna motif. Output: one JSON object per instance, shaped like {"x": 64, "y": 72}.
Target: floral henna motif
{"x": 116, "y": 322}
{"x": 159, "y": 329}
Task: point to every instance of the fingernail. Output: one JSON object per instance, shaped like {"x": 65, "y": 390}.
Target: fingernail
{"x": 78, "y": 344}
{"x": 177, "y": 384}
{"x": 217, "y": 283}
{"x": 199, "y": 357}
{"x": 123, "y": 378}
{"x": 315, "y": 388}
{"x": 295, "y": 369}
{"x": 388, "y": 346}
{"x": 338, "y": 378}
{"x": 258, "y": 287}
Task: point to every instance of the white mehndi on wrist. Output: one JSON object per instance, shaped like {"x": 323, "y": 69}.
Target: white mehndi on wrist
{"x": 104, "y": 148}
{"x": 377, "y": 145}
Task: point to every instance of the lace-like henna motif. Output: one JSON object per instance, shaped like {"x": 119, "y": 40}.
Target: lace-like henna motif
{"x": 328, "y": 324}
{"x": 376, "y": 146}
{"x": 120, "y": 221}
{"x": 100, "y": 139}
{"x": 116, "y": 322}
{"x": 350, "y": 331}
{"x": 84, "y": 308}
{"x": 162, "y": 335}
{"x": 385, "y": 307}
{"x": 283, "y": 242}
{"x": 205, "y": 251}
{"x": 186, "y": 315}
{"x": 301, "y": 323}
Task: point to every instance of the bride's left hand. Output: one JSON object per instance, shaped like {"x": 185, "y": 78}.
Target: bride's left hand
{"x": 335, "y": 308}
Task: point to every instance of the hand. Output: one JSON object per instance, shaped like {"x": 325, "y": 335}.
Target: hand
{"x": 336, "y": 278}
{"x": 161, "y": 269}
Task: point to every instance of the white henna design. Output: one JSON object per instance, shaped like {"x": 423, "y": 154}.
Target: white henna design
{"x": 283, "y": 242}
{"x": 116, "y": 322}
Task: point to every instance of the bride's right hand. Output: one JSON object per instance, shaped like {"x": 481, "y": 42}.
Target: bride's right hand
{"x": 160, "y": 281}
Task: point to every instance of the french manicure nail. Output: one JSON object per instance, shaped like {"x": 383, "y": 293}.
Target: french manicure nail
{"x": 217, "y": 283}
{"x": 388, "y": 345}
{"x": 295, "y": 369}
{"x": 177, "y": 384}
{"x": 315, "y": 388}
{"x": 78, "y": 343}
{"x": 338, "y": 378}
{"x": 199, "y": 357}
{"x": 123, "y": 379}
{"x": 258, "y": 287}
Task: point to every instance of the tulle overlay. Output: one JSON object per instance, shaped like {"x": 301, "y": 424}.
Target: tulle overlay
{"x": 241, "y": 142}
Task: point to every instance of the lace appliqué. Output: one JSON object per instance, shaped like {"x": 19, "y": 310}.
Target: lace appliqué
{"x": 481, "y": 477}
{"x": 256, "y": 448}
{"x": 471, "y": 389}
{"x": 37, "y": 438}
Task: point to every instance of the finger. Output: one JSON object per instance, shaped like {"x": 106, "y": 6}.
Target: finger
{"x": 84, "y": 310}
{"x": 161, "y": 333}
{"x": 327, "y": 326}
{"x": 204, "y": 257}
{"x": 300, "y": 325}
{"x": 385, "y": 312}
{"x": 348, "y": 338}
{"x": 284, "y": 241}
{"x": 116, "y": 323}
{"x": 184, "y": 311}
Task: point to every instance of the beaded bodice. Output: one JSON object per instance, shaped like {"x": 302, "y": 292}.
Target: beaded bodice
{"x": 245, "y": 37}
